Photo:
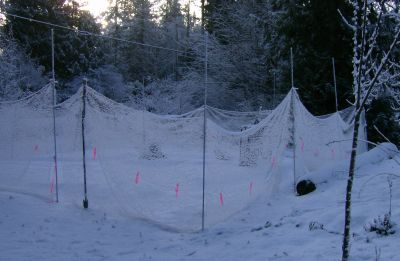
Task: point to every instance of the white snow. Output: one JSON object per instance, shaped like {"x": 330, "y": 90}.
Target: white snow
{"x": 272, "y": 228}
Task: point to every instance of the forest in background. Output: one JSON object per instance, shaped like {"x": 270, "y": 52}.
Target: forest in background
{"x": 248, "y": 46}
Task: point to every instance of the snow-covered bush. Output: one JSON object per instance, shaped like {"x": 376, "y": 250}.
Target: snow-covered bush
{"x": 154, "y": 152}
{"x": 106, "y": 79}
{"x": 167, "y": 96}
{"x": 19, "y": 75}
{"x": 381, "y": 226}
{"x": 314, "y": 225}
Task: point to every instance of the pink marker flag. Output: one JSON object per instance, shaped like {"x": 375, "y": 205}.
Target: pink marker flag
{"x": 251, "y": 188}
{"x": 221, "y": 199}
{"x": 94, "y": 153}
{"x": 137, "y": 178}
{"x": 177, "y": 189}
{"x": 302, "y": 145}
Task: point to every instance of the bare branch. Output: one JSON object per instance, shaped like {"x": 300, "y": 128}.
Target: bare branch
{"x": 352, "y": 27}
{"x": 381, "y": 66}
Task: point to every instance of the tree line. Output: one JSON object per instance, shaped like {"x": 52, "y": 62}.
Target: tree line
{"x": 248, "y": 51}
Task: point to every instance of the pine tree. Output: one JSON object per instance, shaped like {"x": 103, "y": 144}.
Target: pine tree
{"x": 316, "y": 33}
{"x": 174, "y": 31}
{"x": 20, "y": 76}
{"x": 74, "y": 53}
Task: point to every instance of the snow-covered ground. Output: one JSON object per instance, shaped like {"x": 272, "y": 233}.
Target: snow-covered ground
{"x": 278, "y": 227}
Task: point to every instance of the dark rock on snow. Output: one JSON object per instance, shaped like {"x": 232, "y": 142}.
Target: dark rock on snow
{"x": 304, "y": 187}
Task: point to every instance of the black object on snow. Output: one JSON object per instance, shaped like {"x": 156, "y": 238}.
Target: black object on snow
{"x": 305, "y": 186}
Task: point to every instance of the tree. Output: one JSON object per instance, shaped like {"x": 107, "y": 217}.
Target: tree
{"x": 380, "y": 114}
{"x": 315, "y": 32}
{"x": 372, "y": 68}
{"x": 75, "y": 53}
{"x": 174, "y": 33}
{"x": 20, "y": 76}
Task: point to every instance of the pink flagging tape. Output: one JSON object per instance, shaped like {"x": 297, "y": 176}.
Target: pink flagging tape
{"x": 273, "y": 162}
{"x": 251, "y": 188}
{"x": 221, "y": 199}
{"x": 94, "y": 153}
{"x": 137, "y": 178}
{"x": 177, "y": 190}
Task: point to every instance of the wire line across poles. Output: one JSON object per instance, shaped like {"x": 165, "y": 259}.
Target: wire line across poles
{"x": 82, "y": 32}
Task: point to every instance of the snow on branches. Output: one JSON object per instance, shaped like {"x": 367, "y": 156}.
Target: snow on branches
{"x": 380, "y": 57}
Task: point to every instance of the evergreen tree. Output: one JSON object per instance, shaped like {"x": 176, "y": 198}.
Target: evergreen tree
{"x": 74, "y": 53}
{"x": 381, "y": 115}
{"x": 174, "y": 34}
{"x": 19, "y": 75}
{"x": 316, "y": 33}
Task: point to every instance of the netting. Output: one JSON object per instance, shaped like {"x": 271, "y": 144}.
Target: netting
{"x": 153, "y": 164}
{"x": 229, "y": 120}
{"x": 323, "y": 140}
{"x": 151, "y": 167}
{"x": 26, "y": 145}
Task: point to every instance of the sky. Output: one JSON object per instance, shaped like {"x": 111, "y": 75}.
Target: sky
{"x": 96, "y": 7}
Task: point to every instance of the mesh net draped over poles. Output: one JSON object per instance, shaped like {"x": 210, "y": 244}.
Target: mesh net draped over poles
{"x": 149, "y": 166}
{"x": 26, "y": 145}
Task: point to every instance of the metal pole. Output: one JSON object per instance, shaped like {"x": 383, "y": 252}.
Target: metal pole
{"x": 334, "y": 83}
{"x": 54, "y": 114}
{"x": 204, "y": 126}
{"x": 85, "y": 200}
{"x": 294, "y": 141}
{"x": 291, "y": 65}
{"x": 294, "y": 122}
{"x": 143, "y": 116}
{"x": 273, "y": 102}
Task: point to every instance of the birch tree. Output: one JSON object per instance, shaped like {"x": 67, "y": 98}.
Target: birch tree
{"x": 373, "y": 67}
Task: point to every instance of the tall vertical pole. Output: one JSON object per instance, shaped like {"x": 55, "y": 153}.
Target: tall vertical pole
{"x": 143, "y": 115}
{"x": 204, "y": 125}
{"x": 85, "y": 200}
{"x": 54, "y": 113}
{"x": 273, "y": 101}
{"x": 291, "y": 66}
{"x": 293, "y": 121}
{"x": 294, "y": 139}
{"x": 334, "y": 83}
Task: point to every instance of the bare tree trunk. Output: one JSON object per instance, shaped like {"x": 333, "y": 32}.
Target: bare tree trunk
{"x": 347, "y": 221}
{"x": 360, "y": 102}
{"x": 349, "y": 188}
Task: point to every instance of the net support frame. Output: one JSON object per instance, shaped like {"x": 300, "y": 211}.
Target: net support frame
{"x": 204, "y": 129}
{"x": 85, "y": 199}
{"x": 293, "y": 120}
{"x": 53, "y": 82}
